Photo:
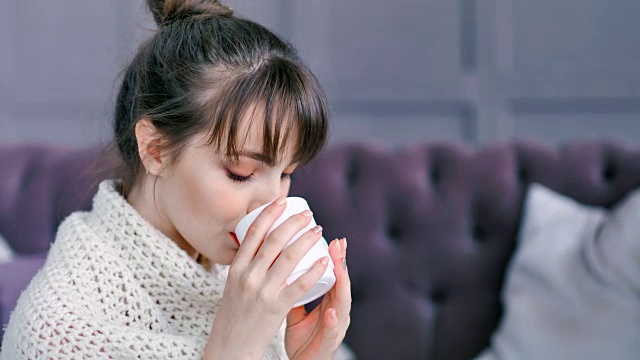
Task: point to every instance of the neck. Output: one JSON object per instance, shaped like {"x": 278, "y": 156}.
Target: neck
{"x": 142, "y": 199}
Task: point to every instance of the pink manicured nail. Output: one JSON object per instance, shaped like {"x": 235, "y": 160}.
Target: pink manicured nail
{"x": 281, "y": 201}
{"x": 317, "y": 229}
{"x": 324, "y": 261}
{"x": 338, "y": 246}
{"x": 345, "y": 243}
{"x": 307, "y": 213}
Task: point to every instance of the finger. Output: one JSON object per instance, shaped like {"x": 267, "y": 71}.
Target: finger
{"x": 291, "y": 256}
{"x": 330, "y": 337}
{"x": 337, "y": 250}
{"x": 274, "y": 243}
{"x": 331, "y": 334}
{"x": 330, "y": 318}
{"x": 257, "y": 232}
{"x": 294, "y": 291}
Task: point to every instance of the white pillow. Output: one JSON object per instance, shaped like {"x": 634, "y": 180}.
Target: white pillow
{"x": 572, "y": 290}
{"x": 6, "y": 254}
{"x": 344, "y": 353}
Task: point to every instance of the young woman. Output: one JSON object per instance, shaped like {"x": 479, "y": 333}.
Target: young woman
{"x": 214, "y": 115}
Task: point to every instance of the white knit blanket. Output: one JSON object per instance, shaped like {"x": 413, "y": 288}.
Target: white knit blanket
{"x": 115, "y": 287}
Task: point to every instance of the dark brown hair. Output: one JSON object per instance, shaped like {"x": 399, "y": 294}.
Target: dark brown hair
{"x": 206, "y": 70}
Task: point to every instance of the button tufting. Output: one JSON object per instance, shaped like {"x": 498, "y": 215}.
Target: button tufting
{"x": 609, "y": 173}
{"x": 479, "y": 233}
{"x": 435, "y": 176}
{"x": 28, "y": 177}
{"x": 438, "y": 296}
{"x": 523, "y": 175}
{"x": 394, "y": 232}
{"x": 353, "y": 172}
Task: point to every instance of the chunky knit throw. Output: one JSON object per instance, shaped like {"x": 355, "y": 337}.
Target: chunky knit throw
{"x": 115, "y": 287}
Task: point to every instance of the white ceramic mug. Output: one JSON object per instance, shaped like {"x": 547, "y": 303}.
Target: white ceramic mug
{"x": 296, "y": 205}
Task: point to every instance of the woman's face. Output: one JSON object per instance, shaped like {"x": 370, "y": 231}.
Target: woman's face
{"x": 201, "y": 198}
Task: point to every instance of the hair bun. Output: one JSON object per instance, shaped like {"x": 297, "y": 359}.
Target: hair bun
{"x": 167, "y": 11}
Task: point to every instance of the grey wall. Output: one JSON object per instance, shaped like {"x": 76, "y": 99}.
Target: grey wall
{"x": 396, "y": 72}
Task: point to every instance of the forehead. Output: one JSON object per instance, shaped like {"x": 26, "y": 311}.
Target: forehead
{"x": 278, "y": 143}
{"x": 251, "y": 138}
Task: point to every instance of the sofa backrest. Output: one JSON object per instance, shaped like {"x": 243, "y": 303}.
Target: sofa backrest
{"x": 40, "y": 185}
{"x": 430, "y": 228}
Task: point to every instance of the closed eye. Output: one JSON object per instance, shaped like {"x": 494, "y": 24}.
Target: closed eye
{"x": 238, "y": 178}
{"x": 242, "y": 179}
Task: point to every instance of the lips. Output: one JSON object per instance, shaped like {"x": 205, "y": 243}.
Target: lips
{"x": 235, "y": 238}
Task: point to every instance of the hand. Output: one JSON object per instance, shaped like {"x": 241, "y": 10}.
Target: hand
{"x": 318, "y": 335}
{"x": 256, "y": 297}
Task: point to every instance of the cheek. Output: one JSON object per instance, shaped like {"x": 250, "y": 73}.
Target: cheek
{"x": 224, "y": 206}
{"x": 203, "y": 201}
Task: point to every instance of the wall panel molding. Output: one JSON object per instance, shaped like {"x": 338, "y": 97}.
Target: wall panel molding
{"x": 424, "y": 115}
{"x": 471, "y": 70}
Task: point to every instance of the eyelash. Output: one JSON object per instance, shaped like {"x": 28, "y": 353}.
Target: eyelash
{"x": 243, "y": 179}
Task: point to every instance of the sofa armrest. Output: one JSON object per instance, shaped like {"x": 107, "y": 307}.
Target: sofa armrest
{"x": 14, "y": 278}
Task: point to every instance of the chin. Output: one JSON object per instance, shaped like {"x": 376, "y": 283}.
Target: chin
{"x": 227, "y": 259}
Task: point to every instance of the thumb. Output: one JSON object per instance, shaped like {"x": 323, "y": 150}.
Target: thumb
{"x": 331, "y": 320}
{"x": 331, "y": 331}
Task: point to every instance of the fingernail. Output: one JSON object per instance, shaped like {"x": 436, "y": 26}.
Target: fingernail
{"x": 281, "y": 200}
{"x": 344, "y": 263}
{"x": 307, "y": 213}
{"x": 344, "y": 244}
{"x": 338, "y": 245}
{"x": 324, "y": 261}
{"x": 332, "y": 314}
{"x": 317, "y": 229}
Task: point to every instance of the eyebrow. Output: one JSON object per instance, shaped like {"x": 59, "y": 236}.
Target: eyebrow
{"x": 256, "y": 156}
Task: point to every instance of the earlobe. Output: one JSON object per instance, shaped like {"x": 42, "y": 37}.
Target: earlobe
{"x": 149, "y": 140}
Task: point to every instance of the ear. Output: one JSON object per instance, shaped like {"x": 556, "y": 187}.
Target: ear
{"x": 149, "y": 144}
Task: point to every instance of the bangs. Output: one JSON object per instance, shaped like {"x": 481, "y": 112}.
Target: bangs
{"x": 284, "y": 96}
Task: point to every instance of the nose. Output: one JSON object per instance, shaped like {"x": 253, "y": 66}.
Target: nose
{"x": 265, "y": 197}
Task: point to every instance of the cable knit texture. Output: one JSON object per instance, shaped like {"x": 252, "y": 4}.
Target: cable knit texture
{"x": 115, "y": 287}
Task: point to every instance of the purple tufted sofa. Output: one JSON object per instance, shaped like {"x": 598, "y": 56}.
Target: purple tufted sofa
{"x": 431, "y": 228}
